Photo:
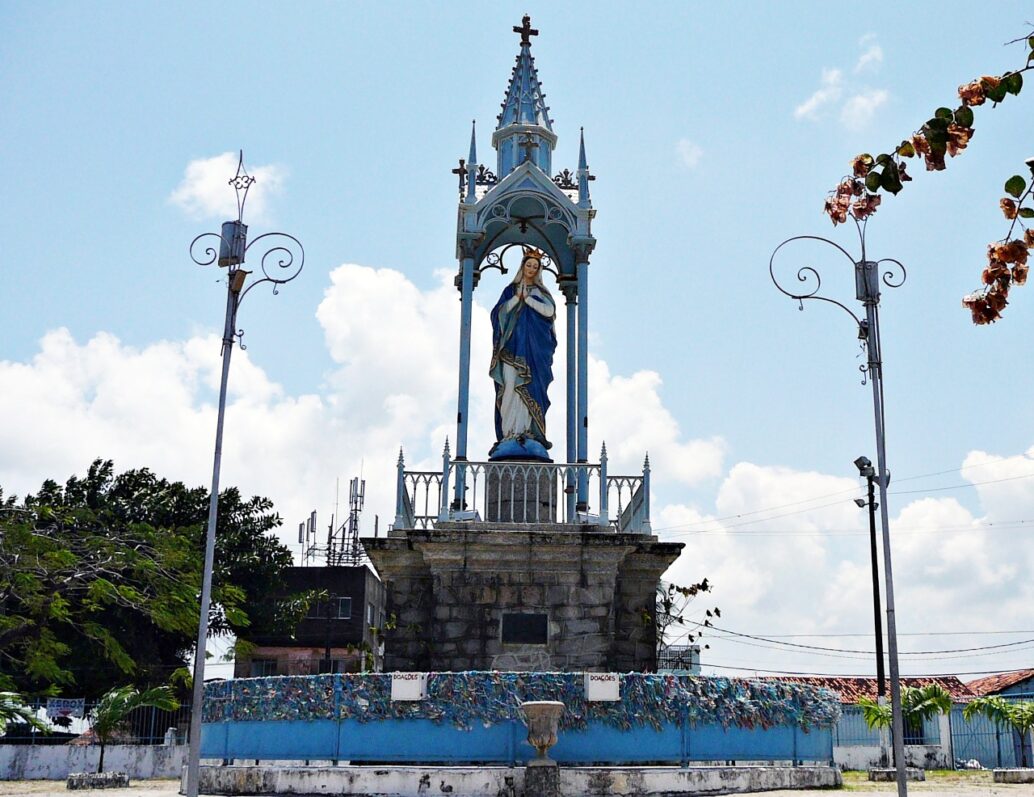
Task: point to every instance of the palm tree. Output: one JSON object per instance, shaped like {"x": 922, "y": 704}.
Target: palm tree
{"x": 1016, "y": 714}
{"x": 13, "y": 709}
{"x": 111, "y": 711}
{"x": 917, "y": 704}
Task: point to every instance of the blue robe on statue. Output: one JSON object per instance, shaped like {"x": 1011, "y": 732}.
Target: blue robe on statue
{"x": 523, "y": 343}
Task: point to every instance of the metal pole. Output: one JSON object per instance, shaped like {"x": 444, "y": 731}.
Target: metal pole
{"x": 466, "y": 298}
{"x": 582, "y": 270}
{"x": 876, "y": 374}
{"x": 194, "y": 760}
{"x": 881, "y": 685}
{"x": 571, "y": 295}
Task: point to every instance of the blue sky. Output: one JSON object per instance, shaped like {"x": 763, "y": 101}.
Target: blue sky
{"x": 714, "y": 131}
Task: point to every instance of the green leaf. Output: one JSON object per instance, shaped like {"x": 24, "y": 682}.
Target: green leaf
{"x": 1015, "y": 186}
{"x": 890, "y": 181}
{"x": 1026, "y": 213}
{"x": 938, "y": 123}
{"x": 882, "y": 159}
{"x": 964, "y": 116}
{"x": 997, "y": 94}
{"x": 943, "y": 113}
{"x": 1013, "y": 82}
{"x": 1030, "y": 41}
{"x": 936, "y": 135}
{"x": 872, "y": 181}
{"x": 906, "y": 150}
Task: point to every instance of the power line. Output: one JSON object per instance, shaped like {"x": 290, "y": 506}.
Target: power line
{"x": 844, "y": 675}
{"x": 852, "y": 650}
{"x": 858, "y": 489}
{"x": 1002, "y": 525}
{"x": 960, "y": 486}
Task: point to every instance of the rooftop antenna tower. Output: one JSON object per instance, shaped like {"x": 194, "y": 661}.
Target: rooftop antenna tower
{"x": 354, "y": 554}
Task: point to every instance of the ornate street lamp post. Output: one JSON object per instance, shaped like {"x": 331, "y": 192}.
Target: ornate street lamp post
{"x": 281, "y": 261}
{"x": 868, "y": 276}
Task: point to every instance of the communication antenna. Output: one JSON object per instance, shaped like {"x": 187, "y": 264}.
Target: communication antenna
{"x": 356, "y": 499}
{"x": 307, "y": 538}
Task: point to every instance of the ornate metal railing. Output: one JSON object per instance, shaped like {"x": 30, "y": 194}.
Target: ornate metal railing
{"x": 523, "y": 493}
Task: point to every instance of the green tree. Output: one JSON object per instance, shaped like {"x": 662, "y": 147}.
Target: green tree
{"x": 917, "y": 704}
{"x": 63, "y": 574}
{"x": 1015, "y": 714}
{"x": 114, "y": 561}
{"x": 113, "y": 709}
{"x": 13, "y": 709}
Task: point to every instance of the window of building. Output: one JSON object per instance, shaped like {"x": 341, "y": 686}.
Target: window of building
{"x": 913, "y": 730}
{"x": 525, "y": 629}
{"x": 340, "y": 609}
{"x": 369, "y": 613}
{"x": 260, "y": 668}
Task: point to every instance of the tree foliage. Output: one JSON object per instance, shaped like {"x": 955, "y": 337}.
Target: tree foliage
{"x": 947, "y": 133}
{"x": 100, "y": 578}
{"x": 1015, "y": 714}
{"x": 113, "y": 709}
{"x": 13, "y": 709}
{"x": 917, "y": 704}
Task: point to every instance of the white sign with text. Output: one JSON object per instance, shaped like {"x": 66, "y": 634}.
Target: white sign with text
{"x": 408, "y": 685}
{"x": 601, "y": 686}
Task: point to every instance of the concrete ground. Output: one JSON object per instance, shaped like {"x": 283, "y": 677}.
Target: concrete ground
{"x": 938, "y": 784}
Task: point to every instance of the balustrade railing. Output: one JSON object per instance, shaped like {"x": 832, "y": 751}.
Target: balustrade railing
{"x": 523, "y": 492}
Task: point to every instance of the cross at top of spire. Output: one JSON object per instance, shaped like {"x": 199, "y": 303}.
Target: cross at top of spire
{"x": 525, "y": 103}
{"x": 525, "y": 30}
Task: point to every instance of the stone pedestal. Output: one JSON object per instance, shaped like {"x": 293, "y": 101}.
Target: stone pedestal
{"x": 455, "y": 588}
{"x": 516, "y": 493}
{"x": 542, "y": 778}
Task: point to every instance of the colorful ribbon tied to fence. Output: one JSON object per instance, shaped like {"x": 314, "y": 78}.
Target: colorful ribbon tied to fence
{"x": 463, "y": 699}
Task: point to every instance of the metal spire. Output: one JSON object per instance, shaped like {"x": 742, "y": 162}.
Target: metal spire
{"x": 525, "y": 102}
{"x": 472, "y": 165}
{"x": 583, "y": 174}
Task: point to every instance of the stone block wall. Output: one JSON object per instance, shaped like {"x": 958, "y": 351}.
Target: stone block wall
{"x": 450, "y": 587}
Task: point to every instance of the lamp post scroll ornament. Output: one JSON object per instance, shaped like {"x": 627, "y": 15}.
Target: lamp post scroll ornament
{"x": 869, "y": 276}
{"x": 281, "y": 260}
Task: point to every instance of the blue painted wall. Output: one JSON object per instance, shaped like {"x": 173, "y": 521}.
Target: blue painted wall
{"x": 421, "y": 740}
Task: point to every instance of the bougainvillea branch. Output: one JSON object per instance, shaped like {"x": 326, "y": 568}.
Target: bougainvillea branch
{"x": 1006, "y": 258}
{"x": 947, "y": 133}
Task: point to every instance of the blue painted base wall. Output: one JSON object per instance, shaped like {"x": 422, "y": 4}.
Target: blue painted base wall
{"x": 423, "y": 741}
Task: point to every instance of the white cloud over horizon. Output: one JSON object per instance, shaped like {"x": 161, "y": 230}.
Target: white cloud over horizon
{"x": 856, "y": 104}
{"x": 786, "y": 548}
{"x": 205, "y": 191}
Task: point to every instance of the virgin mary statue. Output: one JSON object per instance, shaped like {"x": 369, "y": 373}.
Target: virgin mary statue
{"x": 523, "y": 342}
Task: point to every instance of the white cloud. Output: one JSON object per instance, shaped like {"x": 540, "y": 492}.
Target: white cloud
{"x": 871, "y": 57}
{"x": 802, "y": 566}
{"x": 689, "y": 153}
{"x": 861, "y": 101}
{"x": 859, "y": 108}
{"x": 205, "y": 191}
{"x": 829, "y": 91}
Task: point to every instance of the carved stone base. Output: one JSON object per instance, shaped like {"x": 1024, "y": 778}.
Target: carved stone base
{"x": 453, "y": 587}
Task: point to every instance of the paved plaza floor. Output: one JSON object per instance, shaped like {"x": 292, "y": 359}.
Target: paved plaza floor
{"x": 938, "y": 784}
